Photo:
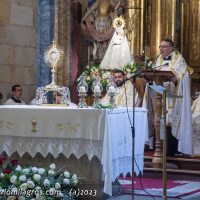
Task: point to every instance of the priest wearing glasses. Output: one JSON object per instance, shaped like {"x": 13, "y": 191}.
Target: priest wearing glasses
{"x": 179, "y": 119}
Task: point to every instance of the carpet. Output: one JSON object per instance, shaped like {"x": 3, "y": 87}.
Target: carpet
{"x": 175, "y": 188}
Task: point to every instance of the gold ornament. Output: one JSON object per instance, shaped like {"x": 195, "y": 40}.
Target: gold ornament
{"x": 53, "y": 55}
{"x": 119, "y": 22}
{"x": 191, "y": 71}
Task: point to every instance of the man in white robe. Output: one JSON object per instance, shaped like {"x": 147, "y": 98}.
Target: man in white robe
{"x": 15, "y": 99}
{"x": 124, "y": 94}
{"x": 179, "y": 110}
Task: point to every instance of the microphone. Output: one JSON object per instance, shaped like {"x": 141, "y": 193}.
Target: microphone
{"x": 134, "y": 76}
{"x": 161, "y": 66}
{"x": 141, "y": 72}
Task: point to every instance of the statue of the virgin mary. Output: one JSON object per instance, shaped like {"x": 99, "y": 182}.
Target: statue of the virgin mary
{"x": 118, "y": 53}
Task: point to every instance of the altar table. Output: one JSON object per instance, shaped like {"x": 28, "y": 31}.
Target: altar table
{"x": 103, "y": 133}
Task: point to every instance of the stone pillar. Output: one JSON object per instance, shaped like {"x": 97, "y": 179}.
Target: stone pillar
{"x": 18, "y": 47}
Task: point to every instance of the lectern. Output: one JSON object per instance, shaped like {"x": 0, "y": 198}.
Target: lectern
{"x": 158, "y": 77}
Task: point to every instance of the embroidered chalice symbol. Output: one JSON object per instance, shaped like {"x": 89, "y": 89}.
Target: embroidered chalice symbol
{"x": 34, "y": 123}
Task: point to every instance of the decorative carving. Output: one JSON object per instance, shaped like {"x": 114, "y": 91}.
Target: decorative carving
{"x": 63, "y": 38}
{"x": 135, "y": 19}
{"x": 69, "y": 126}
{"x": 6, "y": 125}
{"x": 190, "y": 37}
{"x": 195, "y": 45}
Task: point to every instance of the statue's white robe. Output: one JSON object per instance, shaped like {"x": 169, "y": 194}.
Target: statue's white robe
{"x": 118, "y": 53}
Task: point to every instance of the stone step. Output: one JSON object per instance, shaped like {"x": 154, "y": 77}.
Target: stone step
{"x": 181, "y": 159}
{"x": 180, "y": 165}
{"x": 173, "y": 170}
{"x": 172, "y": 174}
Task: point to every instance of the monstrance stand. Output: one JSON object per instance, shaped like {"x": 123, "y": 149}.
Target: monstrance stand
{"x": 53, "y": 57}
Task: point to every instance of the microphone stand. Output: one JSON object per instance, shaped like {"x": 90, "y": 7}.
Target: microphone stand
{"x": 133, "y": 133}
{"x": 133, "y": 144}
{"x": 133, "y": 127}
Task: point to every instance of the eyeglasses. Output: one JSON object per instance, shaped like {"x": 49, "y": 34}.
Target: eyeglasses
{"x": 164, "y": 46}
{"x": 19, "y": 90}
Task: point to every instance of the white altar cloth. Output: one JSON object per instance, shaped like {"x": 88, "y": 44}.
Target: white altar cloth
{"x": 118, "y": 143}
{"x": 102, "y": 133}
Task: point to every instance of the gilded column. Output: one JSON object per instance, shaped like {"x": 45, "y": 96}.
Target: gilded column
{"x": 147, "y": 27}
{"x": 168, "y": 15}
{"x": 190, "y": 38}
{"x": 194, "y": 36}
{"x": 184, "y": 42}
{"x": 155, "y": 37}
{"x": 135, "y": 20}
{"x": 62, "y": 36}
{"x": 163, "y": 14}
{"x": 155, "y": 27}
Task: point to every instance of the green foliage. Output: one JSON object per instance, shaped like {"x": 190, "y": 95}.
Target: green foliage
{"x": 131, "y": 68}
{"x": 94, "y": 71}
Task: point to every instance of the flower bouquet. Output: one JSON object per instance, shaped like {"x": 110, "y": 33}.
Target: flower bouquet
{"x": 105, "y": 75}
{"x": 131, "y": 69}
{"x": 92, "y": 72}
{"x": 34, "y": 183}
{"x": 148, "y": 64}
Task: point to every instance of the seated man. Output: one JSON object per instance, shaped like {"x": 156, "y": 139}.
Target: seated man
{"x": 15, "y": 99}
{"x": 124, "y": 96}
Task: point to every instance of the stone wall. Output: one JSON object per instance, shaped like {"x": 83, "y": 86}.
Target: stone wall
{"x": 18, "y": 46}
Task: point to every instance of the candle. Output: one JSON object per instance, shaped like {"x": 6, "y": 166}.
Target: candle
{"x": 111, "y": 89}
{"x": 97, "y": 88}
{"x": 82, "y": 89}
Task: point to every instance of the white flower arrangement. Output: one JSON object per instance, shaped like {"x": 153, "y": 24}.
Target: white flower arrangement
{"x": 131, "y": 69}
{"x": 93, "y": 72}
{"x": 36, "y": 183}
{"x": 148, "y": 64}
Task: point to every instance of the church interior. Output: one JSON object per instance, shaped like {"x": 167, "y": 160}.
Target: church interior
{"x": 64, "y": 55}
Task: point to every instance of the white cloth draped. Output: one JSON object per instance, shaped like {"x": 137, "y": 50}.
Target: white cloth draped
{"x": 102, "y": 133}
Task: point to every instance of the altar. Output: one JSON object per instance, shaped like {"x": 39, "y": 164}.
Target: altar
{"x": 56, "y": 130}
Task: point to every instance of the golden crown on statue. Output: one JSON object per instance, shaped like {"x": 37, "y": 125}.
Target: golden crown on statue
{"x": 119, "y": 22}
